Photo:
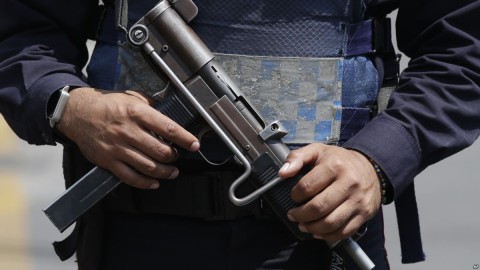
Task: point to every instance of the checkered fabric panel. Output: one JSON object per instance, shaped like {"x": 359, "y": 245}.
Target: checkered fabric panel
{"x": 303, "y": 93}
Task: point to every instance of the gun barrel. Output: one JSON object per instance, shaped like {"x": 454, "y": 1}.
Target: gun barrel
{"x": 357, "y": 254}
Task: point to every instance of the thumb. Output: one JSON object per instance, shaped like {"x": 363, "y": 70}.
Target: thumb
{"x": 299, "y": 158}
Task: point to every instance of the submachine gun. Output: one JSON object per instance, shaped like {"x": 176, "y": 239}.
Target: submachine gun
{"x": 201, "y": 89}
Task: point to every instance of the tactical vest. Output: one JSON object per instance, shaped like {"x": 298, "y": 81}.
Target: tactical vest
{"x": 319, "y": 83}
{"x": 309, "y": 64}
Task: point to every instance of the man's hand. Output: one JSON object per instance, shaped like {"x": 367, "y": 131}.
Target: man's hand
{"x": 121, "y": 132}
{"x": 338, "y": 195}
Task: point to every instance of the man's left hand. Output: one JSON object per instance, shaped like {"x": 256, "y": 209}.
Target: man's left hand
{"x": 338, "y": 195}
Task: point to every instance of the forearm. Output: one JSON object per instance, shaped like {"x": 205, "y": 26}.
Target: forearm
{"x": 42, "y": 48}
{"x": 435, "y": 111}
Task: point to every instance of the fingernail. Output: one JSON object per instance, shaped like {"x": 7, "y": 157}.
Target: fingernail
{"x": 195, "y": 146}
{"x": 302, "y": 228}
{"x": 317, "y": 236}
{"x": 174, "y": 174}
{"x": 154, "y": 185}
{"x": 285, "y": 167}
{"x": 290, "y": 217}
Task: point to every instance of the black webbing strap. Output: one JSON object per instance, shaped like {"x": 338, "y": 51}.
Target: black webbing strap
{"x": 369, "y": 36}
{"x": 409, "y": 226}
{"x": 121, "y": 14}
{"x": 67, "y": 247}
{"x": 95, "y": 21}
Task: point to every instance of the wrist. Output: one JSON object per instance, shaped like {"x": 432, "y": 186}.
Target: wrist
{"x": 76, "y": 107}
{"x": 385, "y": 186}
{"x": 57, "y": 104}
{"x": 386, "y": 190}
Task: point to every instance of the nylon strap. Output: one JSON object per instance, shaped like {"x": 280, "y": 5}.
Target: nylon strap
{"x": 409, "y": 226}
{"x": 67, "y": 247}
{"x": 121, "y": 14}
{"x": 370, "y": 36}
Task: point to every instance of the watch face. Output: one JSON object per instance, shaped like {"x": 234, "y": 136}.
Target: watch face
{"x": 57, "y": 102}
{"x": 52, "y": 103}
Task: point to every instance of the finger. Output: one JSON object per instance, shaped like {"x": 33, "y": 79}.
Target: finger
{"x": 295, "y": 162}
{"x": 154, "y": 147}
{"x": 312, "y": 183}
{"x": 167, "y": 129}
{"x": 331, "y": 222}
{"x": 132, "y": 177}
{"x": 147, "y": 166}
{"x": 160, "y": 124}
{"x": 320, "y": 205}
{"x": 298, "y": 158}
{"x": 349, "y": 228}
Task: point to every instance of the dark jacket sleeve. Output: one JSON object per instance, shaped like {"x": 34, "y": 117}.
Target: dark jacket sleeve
{"x": 435, "y": 112}
{"x": 42, "y": 48}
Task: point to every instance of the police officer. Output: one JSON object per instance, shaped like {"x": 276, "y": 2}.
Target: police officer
{"x": 310, "y": 64}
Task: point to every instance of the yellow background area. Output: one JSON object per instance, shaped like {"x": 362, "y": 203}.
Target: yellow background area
{"x": 7, "y": 139}
{"x": 13, "y": 225}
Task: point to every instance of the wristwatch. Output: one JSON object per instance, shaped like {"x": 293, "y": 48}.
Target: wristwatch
{"x": 59, "y": 100}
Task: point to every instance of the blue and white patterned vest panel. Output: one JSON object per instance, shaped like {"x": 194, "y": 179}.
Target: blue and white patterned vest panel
{"x": 286, "y": 56}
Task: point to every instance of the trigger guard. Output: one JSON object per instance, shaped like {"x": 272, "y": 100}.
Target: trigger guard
{"x": 200, "y": 136}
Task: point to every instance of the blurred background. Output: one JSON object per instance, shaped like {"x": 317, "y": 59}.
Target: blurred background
{"x": 31, "y": 178}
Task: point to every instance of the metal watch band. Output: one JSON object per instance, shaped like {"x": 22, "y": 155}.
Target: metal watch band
{"x": 60, "y": 107}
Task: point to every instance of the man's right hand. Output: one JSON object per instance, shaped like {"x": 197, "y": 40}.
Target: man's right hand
{"x": 121, "y": 132}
